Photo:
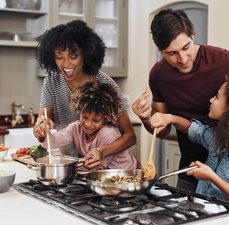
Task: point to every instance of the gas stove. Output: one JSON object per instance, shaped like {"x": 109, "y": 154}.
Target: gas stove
{"x": 162, "y": 205}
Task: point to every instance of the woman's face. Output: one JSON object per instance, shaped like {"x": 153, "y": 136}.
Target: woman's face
{"x": 218, "y": 104}
{"x": 70, "y": 64}
{"x": 91, "y": 122}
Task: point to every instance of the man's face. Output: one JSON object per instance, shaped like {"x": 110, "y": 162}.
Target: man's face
{"x": 181, "y": 53}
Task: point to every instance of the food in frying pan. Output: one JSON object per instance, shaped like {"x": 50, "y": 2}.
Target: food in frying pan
{"x": 116, "y": 179}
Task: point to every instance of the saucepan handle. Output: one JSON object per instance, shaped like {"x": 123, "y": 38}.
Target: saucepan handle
{"x": 32, "y": 167}
{"x": 177, "y": 172}
{"x": 79, "y": 164}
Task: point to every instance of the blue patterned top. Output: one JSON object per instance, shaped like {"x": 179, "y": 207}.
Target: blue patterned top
{"x": 218, "y": 161}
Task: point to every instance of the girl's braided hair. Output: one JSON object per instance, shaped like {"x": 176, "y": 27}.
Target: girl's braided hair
{"x": 100, "y": 98}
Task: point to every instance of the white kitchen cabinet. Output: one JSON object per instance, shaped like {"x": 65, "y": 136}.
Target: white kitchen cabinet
{"x": 18, "y": 64}
{"x": 20, "y": 26}
{"x": 109, "y": 18}
{"x": 135, "y": 149}
{"x": 171, "y": 158}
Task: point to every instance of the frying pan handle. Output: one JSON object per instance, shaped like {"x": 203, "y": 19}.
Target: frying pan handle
{"x": 177, "y": 172}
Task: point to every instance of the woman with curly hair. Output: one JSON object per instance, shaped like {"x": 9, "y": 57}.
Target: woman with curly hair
{"x": 100, "y": 109}
{"x": 72, "y": 54}
{"x": 213, "y": 176}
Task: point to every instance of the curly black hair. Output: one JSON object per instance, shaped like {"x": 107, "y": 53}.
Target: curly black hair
{"x": 73, "y": 35}
{"x": 222, "y": 128}
{"x": 100, "y": 98}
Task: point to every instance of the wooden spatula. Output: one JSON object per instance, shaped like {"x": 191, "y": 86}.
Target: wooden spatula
{"x": 149, "y": 170}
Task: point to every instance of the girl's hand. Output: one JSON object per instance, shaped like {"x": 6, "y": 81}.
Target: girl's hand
{"x": 92, "y": 159}
{"x": 204, "y": 172}
{"x": 160, "y": 121}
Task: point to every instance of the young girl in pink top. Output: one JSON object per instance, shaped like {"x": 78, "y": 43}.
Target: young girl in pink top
{"x": 99, "y": 108}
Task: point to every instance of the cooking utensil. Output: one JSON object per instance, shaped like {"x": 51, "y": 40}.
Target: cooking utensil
{"x": 149, "y": 169}
{"x": 48, "y": 139}
{"x": 61, "y": 171}
{"x": 124, "y": 189}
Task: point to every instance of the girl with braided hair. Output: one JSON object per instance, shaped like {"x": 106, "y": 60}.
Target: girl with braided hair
{"x": 99, "y": 107}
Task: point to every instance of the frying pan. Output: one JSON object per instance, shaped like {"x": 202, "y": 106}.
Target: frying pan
{"x": 124, "y": 189}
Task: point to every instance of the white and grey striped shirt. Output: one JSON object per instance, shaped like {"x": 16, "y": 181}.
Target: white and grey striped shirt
{"x": 56, "y": 95}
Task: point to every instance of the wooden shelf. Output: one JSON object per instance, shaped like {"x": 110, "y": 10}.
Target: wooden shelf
{"x": 76, "y": 15}
{"x": 23, "y": 12}
{"x": 8, "y": 43}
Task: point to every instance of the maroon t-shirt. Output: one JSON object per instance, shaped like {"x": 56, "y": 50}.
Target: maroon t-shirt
{"x": 188, "y": 95}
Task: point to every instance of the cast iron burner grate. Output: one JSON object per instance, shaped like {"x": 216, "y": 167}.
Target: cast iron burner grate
{"x": 77, "y": 199}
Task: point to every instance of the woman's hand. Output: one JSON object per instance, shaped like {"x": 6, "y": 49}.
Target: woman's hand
{"x": 42, "y": 127}
{"x": 93, "y": 158}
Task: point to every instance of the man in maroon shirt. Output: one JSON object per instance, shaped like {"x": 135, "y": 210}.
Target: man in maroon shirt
{"x": 182, "y": 82}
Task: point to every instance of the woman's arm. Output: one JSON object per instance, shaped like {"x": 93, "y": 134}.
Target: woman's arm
{"x": 126, "y": 140}
{"x": 204, "y": 172}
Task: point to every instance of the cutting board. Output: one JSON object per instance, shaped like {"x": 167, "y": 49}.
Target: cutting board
{"x": 27, "y": 159}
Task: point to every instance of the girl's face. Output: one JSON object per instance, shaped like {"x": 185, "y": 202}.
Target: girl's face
{"x": 70, "y": 64}
{"x": 91, "y": 122}
{"x": 218, "y": 104}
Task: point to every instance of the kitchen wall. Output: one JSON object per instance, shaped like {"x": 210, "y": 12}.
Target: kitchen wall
{"x": 142, "y": 52}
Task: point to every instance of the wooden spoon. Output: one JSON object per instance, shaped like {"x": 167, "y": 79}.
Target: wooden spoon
{"x": 149, "y": 170}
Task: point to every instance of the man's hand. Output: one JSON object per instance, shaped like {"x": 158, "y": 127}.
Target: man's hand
{"x": 142, "y": 108}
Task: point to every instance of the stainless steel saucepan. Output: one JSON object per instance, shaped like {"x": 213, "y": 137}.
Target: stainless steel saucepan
{"x": 61, "y": 171}
{"x": 125, "y": 189}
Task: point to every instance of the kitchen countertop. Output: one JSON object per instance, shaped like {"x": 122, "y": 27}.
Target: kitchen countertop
{"x": 17, "y": 208}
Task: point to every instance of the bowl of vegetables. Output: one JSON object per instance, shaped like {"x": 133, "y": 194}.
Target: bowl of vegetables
{"x": 7, "y": 178}
{"x": 3, "y": 151}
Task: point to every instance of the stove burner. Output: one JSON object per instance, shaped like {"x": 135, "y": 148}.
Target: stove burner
{"x": 190, "y": 206}
{"x": 115, "y": 204}
{"x": 72, "y": 190}
{"x": 140, "y": 218}
{"x": 37, "y": 185}
{"x": 110, "y": 201}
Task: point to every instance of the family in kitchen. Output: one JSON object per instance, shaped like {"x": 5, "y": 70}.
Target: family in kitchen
{"x": 88, "y": 110}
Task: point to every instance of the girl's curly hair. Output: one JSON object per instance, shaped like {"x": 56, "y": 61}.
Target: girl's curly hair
{"x": 100, "y": 98}
{"x": 222, "y": 128}
{"x": 73, "y": 35}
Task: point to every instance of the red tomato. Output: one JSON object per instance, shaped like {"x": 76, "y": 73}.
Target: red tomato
{"x": 23, "y": 151}
{"x": 28, "y": 151}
